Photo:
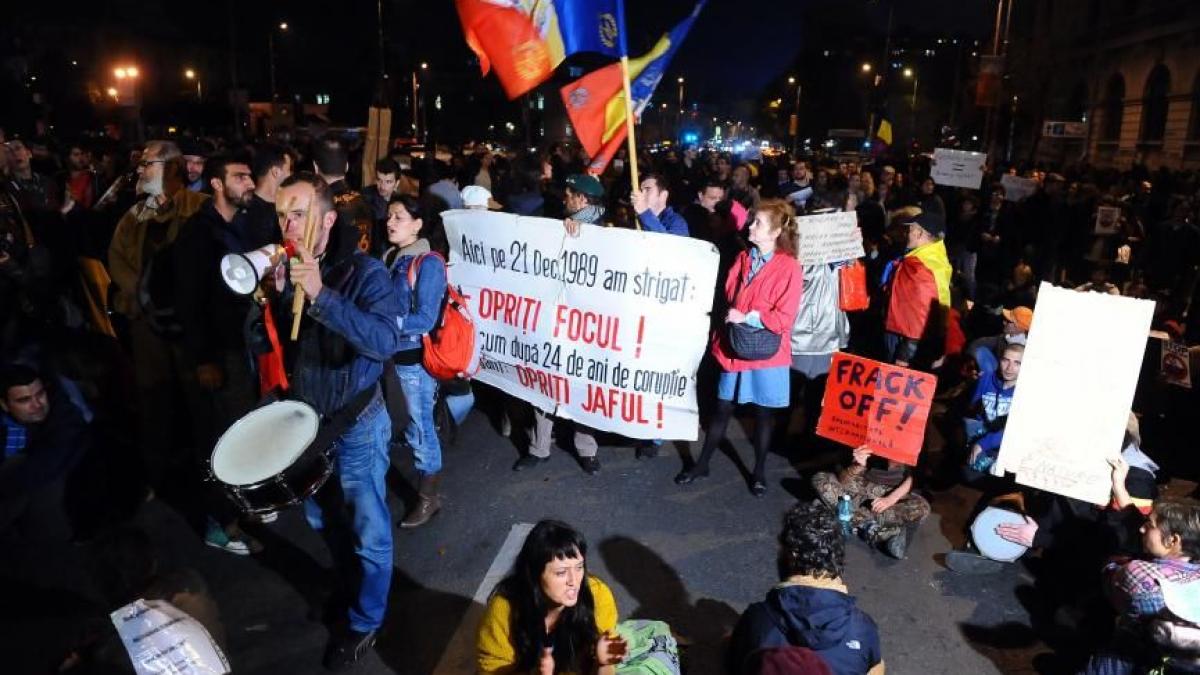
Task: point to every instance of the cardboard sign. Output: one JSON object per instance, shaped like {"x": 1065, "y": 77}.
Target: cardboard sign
{"x": 881, "y": 406}
{"x": 958, "y": 168}
{"x": 607, "y": 328}
{"x": 1017, "y": 188}
{"x": 1108, "y": 220}
{"x": 830, "y": 238}
{"x": 1176, "y": 364}
{"x": 1069, "y": 412}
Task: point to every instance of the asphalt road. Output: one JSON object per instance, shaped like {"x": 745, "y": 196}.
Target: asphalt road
{"x": 693, "y": 556}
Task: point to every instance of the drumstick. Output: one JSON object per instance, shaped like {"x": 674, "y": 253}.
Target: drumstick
{"x": 298, "y": 294}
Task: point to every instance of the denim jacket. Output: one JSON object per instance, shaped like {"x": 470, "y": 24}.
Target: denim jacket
{"x": 354, "y": 330}
{"x": 419, "y": 311}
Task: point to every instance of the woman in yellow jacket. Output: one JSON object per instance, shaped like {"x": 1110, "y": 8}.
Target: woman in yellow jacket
{"x": 549, "y": 615}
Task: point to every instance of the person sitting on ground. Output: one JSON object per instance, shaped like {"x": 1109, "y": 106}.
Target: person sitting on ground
{"x": 883, "y": 502}
{"x": 44, "y": 437}
{"x": 1141, "y": 590}
{"x": 1016, "y": 324}
{"x": 811, "y": 607}
{"x": 989, "y": 412}
{"x": 549, "y": 615}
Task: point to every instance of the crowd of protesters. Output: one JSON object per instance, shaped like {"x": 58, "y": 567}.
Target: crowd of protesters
{"x": 124, "y": 357}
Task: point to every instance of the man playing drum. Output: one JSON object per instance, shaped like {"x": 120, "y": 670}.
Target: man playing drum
{"x": 347, "y": 332}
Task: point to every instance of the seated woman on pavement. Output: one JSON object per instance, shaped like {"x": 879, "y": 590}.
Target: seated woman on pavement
{"x": 811, "y": 607}
{"x": 881, "y": 495}
{"x": 1156, "y": 597}
{"x": 549, "y": 615}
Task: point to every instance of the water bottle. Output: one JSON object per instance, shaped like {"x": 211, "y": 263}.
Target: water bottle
{"x": 844, "y": 511}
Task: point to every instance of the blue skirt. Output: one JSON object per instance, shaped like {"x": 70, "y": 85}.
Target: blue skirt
{"x": 767, "y": 387}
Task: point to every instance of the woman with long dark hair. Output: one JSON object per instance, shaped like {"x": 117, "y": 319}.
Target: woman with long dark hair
{"x": 549, "y": 615}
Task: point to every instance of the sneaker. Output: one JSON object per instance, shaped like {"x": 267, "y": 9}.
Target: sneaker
{"x": 896, "y": 545}
{"x": 216, "y": 537}
{"x": 591, "y": 465}
{"x": 647, "y": 449}
{"x": 967, "y": 562}
{"x": 529, "y": 461}
{"x": 267, "y": 518}
{"x": 345, "y": 650}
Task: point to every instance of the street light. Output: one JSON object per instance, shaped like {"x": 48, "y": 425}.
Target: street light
{"x": 910, "y": 74}
{"x": 271, "y": 58}
{"x": 794, "y": 122}
{"x": 190, "y": 74}
{"x": 866, "y": 67}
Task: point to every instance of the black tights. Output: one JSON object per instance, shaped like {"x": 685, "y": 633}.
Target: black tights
{"x": 764, "y": 425}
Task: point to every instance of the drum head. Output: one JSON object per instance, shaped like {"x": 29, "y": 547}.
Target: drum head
{"x": 264, "y": 443}
{"x": 983, "y": 531}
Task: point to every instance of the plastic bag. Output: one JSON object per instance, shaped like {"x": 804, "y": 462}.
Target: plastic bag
{"x": 852, "y": 288}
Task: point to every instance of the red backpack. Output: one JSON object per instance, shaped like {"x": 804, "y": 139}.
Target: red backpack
{"x": 450, "y": 345}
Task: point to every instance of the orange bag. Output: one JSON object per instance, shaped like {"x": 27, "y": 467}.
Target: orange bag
{"x": 852, "y": 288}
{"x": 450, "y": 347}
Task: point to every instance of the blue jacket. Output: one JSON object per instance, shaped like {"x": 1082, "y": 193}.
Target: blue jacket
{"x": 668, "y": 221}
{"x": 825, "y": 620}
{"x": 992, "y": 402}
{"x": 354, "y": 331}
{"x": 419, "y": 311}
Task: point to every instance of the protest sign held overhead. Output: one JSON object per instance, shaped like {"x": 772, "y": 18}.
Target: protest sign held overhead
{"x": 829, "y": 238}
{"x": 882, "y": 406}
{"x": 1176, "y": 364}
{"x": 606, "y": 328}
{"x": 1017, "y": 188}
{"x": 958, "y": 168}
{"x": 1070, "y": 407}
{"x": 1108, "y": 220}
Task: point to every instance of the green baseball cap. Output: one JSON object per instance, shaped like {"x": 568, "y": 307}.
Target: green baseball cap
{"x": 585, "y": 184}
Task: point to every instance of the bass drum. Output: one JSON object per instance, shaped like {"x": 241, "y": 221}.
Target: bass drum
{"x": 269, "y": 460}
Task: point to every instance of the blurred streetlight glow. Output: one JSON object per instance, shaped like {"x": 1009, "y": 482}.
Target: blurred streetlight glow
{"x": 189, "y": 74}
{"x": 866, "y": 67}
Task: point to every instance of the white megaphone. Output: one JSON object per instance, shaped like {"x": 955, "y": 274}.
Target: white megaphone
{"x": 243, "y": 272}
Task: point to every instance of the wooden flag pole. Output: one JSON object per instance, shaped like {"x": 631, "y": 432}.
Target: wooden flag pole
{"x": 624, "y": 49}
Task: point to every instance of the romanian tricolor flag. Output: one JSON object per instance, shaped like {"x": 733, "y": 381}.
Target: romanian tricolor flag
{"x": 596, "y": 102}
{"x": 525, "y": 40}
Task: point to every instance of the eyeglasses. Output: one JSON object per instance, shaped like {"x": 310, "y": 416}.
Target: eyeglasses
{"x": 145, "y": 163}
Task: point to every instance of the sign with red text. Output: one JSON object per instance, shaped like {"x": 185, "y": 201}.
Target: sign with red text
{"x": 607, "y": 328}
{"x": 881, "y": 406}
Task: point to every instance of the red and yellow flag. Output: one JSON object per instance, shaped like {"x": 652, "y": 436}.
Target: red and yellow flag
{"x": 518, "y": 38}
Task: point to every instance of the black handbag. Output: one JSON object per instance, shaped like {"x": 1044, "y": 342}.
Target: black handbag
{"x": 750, "y": 343}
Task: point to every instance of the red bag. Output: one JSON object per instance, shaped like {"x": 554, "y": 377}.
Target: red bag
{"x": 852, "y": 288}
{"x": 450, "y": 346}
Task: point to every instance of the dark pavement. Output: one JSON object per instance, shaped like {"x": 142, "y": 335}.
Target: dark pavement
{"x": 694, "y": 556}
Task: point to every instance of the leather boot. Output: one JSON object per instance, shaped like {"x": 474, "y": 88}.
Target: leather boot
{"x": 428, "y": 502}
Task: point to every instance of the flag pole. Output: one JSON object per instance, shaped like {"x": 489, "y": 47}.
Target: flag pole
{"x": 624, "y": 47}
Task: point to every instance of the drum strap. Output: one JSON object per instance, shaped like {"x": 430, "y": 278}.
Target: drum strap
{"x": 340, "y": 422}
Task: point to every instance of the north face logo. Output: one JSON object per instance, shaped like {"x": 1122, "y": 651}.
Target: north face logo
{"x": 854, "y": 644}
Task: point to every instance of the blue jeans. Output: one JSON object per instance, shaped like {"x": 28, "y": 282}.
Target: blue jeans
{"x": 420, "y": 390}
{"x": 362, "y": 462}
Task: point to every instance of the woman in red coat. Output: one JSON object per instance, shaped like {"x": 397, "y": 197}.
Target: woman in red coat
{"x": 763, "y": 290}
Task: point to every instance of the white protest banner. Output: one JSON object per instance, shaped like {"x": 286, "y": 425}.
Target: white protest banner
{"x": 958, "y": 168}
{"x": 829, "y": 238}
{"x": 1017, "y": 188}
{"x": 161, "y": 638}
{"x": 1074, "y": 392}
{"x": 606, "y": 328}
{"x": 1176, "y": 364}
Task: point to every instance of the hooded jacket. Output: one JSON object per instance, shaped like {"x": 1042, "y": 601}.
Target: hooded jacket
{"x": 815, "y": 613}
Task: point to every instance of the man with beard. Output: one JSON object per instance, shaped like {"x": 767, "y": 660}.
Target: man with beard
{"x": 194, "y": 154}
{"x": 221, "y": 388}
{"x": 140, "y": 246}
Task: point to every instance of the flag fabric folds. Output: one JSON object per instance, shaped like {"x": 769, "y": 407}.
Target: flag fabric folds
{"x": 519, "y": 39}
{"x": 596, "y": 102}
{"x": 525, "y": 40}
{"x": 588, "y": 26}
